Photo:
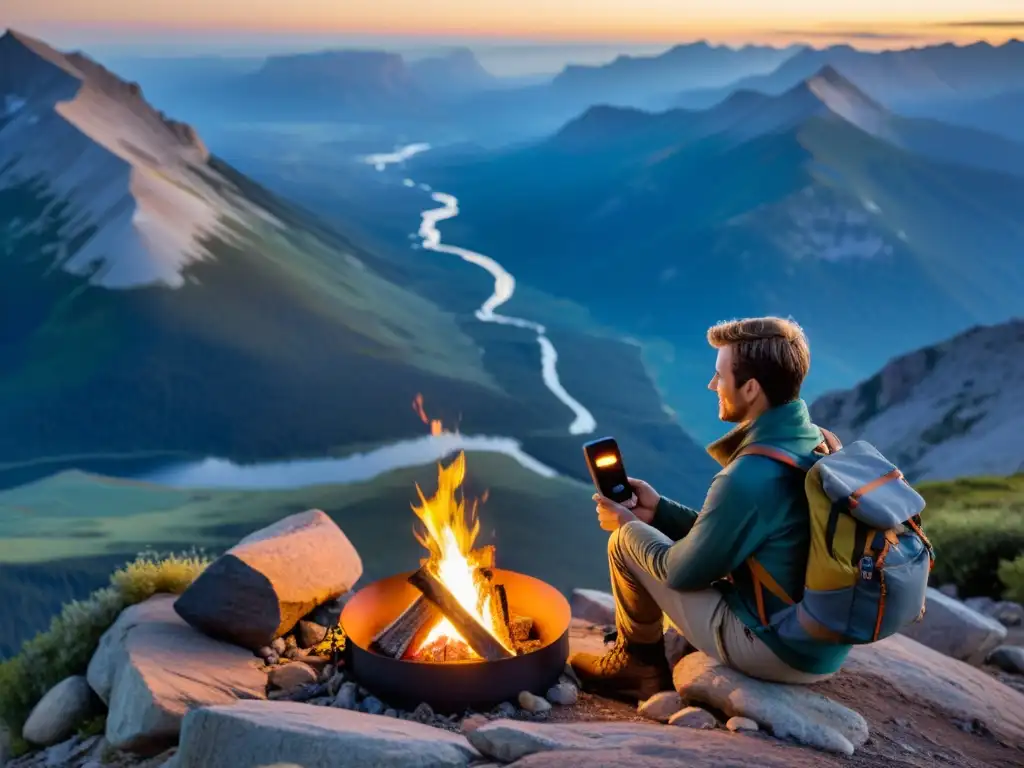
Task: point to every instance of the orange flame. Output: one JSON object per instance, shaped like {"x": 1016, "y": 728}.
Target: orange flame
{"x": 450, "y": 533}
{"x": 435, "y": 424}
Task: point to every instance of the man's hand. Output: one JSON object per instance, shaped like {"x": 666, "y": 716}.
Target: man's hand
{"x": 645, "y": 500}
{"x": 612, "y": 515}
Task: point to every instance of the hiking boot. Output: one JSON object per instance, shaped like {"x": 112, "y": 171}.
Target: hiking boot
{"x": 629, "y": 671}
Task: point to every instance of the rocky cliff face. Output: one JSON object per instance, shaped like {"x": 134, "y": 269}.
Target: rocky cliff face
{"x": 945, "y": 411}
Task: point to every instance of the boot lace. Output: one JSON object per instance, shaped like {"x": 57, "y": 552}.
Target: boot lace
{"x": 616, "y": 658}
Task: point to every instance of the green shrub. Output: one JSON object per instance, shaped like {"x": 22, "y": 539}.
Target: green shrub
{"x": 975, "y": 524}
{"x": 1011, "y": 573}
{"x": 67, "y": 646}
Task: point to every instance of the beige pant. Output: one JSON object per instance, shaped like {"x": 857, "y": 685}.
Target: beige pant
{"x": 636, "y": 554}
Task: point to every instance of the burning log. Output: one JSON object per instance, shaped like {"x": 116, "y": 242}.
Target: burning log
{"x": 520, "y": 627}
{"x": 499, "y": 613}
{"x": 475, "y": 635}
{"x": 396, "y": 637}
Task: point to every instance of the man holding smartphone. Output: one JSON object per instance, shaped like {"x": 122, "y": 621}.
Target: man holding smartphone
{"x": 668, "y": 559}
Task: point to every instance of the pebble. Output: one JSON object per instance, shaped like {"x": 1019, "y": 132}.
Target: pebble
{"x": 505, "y": 709}
{"x": 265, "y": 652}
{"x": 473, "y": 722}
{"x": 335, "y": 683}
{"x": 693, "y": 717}
{"x": 293, "y": 653}
{"x": 389, "y": 712}
{"x": 272, "y": 659}
{"x": 1009, "y": 658}
{"x": 741, "y": 724}
{"x": 563, "y": 694}
{"x": 346, "y": 698}
{"x": 372, "y": 705}
{"x": 661, "y": 706}
{"x": 423, "y": 713}
{"x": 292, "y": 676}
{"x": 327, "y": 673}
{"x": 279, "y": 646}
{"x": 533, "y": 703}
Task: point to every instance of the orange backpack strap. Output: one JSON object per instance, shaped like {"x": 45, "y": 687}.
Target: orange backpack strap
{"x": 762, "y": 581}
{"x": 830, "y": 441}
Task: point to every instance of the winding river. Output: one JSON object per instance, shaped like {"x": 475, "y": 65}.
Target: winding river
{"x": 402, "y": 454}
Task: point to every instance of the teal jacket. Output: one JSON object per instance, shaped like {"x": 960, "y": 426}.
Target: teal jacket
{"x": 755, "y": 506}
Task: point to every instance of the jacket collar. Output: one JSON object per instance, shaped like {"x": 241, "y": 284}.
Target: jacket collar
{"x": 785, "y": 422}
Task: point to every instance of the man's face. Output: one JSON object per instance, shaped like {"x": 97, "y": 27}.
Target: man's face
{"x": 733, "y": 403}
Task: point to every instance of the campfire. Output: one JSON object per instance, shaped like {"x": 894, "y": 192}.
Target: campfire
{"x": 458, "y": 633}
{"x": 462, "y": 612}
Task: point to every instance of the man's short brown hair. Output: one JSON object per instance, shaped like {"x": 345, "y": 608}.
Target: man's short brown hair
{"x": 771, "y": 350}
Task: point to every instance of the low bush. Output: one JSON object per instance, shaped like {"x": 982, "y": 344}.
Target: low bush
{"x": 975, "y": 524}
{"x": 1011, "y": 573}
{"x": 67, "y": 646}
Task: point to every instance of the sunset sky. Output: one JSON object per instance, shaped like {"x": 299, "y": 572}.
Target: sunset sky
{"x": 866, "y": 21}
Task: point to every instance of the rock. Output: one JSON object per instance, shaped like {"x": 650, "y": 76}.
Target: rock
{"x": 1009, "y": 658}
{"x": 308, "y": 634}
{"x": 950, "y": 590}
{"x": 788, "y": 711}
{"x": 533, "y": 703}
{"x": 335, "y": 683}
{"x": 626, "y": 745}
{"x": 59, "y": 712}
{"x": 959, "y": 690}
{"x": 327, "y": 673}
{"x": 676, "y": 646}
{"x": 255, "y": 734}
{"x": 979, "y": 604}
{"x": 151, "y": 667}
{"x": 260, "y": 588}
{"x": 592, "y": 606}
{"x": 390, "y": 712}
{"x": 473, "y": 722}
{"x": 292, "y": 676}
{"x": 661, "y": 706}
{"x": 693, "y": 717}
{"x": 279, "y": 646}
{"x": 372, "y": 705}
{"x": 952, "y": 628}
{"x": 740, "y": 724}
{"x": 292, "y": 654}
{"x": 563, "y": 694}
{"x": 505, "y": 709}
{"x": 423, "y": 713}
{"x": 346, "y": 698}
{"x": 272, "y": 660}
{"x": 265, "y": 652}
{"x": 1007, "y": 613}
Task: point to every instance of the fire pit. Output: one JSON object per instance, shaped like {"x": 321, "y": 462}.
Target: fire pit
{"x": 454, "y": 686}
{"x": 458, "y": 633}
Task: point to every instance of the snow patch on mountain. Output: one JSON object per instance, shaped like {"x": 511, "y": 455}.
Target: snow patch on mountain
{"x": 141, "y": 198}
{"x": 941, "y": 412}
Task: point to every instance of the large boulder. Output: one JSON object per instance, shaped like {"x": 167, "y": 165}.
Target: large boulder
{"x": 260, "y": 588}
{"x": 59, "y": 712}
{"x": 255, "y": 734}
{"x": 787, "y": 711}
{"x": 952, "y": 628}
{"x": 925, "y": 676}
{"x": 151, "y": 668}
{"x": 630, "y": 745}
{"x": 593, "y": 606}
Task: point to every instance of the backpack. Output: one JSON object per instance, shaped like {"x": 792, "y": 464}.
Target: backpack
{"x": 869, "y": 559}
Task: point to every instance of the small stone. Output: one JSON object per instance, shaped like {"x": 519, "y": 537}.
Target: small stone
{"x": 57, "y": 714}
{"x": 272, "y": 660}
{"x": 563, "y": 694}
{"x": 372, "y": 705}
{"x": 661, "y": 706}
{"x": 533, "y": 703}
{"x": 473, "y": 722}
{"x": 293, "y": 653}
{"x": 290, "y": 642}
{"x": 327, "y": 673}
{"x": 570, "y": 676}
{"x": 335, "y": 683}
{"x": 693, "y": 717}
{"x": 1009, "y": 658}
{"x": 1007, "y": 613}
{"x": 363, "y": 692}
{"x": 292, "y": 676}
{"x": 279, "y": 646}
{"x": 389, "y": 712}
{"x": 505, "y": 709}
{"x": 346, "y": 698}
{"x": 741, "y": 724}
{"x": 423, "y": 713}
{"x": 265, "y": 652}
{"x": 309, "y": 633}
{"x": 309, "y": 692}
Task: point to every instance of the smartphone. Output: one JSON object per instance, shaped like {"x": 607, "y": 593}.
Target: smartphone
{"x": 607, "y": 470}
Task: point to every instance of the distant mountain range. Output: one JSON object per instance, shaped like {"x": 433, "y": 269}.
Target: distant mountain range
{"x": 158, "y": 304}
{"x": 818, "y": 202}
{"x": 941, "y": 412}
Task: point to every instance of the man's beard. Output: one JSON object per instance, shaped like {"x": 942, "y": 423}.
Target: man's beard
{"x": 729, "y": 412}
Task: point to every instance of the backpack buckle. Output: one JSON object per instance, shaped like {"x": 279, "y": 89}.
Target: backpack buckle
{"x": 867, "y": 567}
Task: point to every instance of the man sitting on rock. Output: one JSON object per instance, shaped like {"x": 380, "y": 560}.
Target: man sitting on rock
{"x": 691, "y": 566}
